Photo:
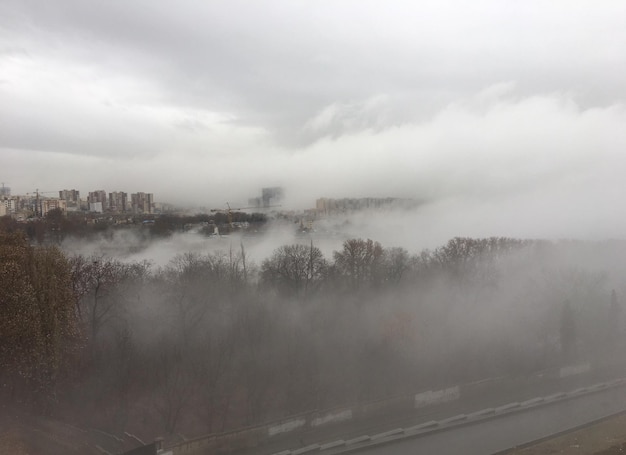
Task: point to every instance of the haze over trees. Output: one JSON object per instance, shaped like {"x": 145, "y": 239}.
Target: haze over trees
{"x": 212, "y": 342}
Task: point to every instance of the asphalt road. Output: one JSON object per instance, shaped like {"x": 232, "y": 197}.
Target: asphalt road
{"x": 490, "y": 436}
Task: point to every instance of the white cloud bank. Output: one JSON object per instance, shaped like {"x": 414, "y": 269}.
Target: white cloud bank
{"x": 507, "y": 117}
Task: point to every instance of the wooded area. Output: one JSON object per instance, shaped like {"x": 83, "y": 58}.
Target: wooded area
{"x": 212, "y": 342}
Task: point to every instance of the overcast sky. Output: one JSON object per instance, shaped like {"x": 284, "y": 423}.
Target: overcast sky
{"x": 500, "y": 108}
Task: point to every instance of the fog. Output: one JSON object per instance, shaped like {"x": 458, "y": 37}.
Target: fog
{"x": 468, "y": 310}
{"x": 188, "y": 333}
{"x": 502, "y": 123}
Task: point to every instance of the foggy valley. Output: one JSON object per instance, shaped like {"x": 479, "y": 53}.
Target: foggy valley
{"x": 192, "y": 334}
{"x": 283, "y": 226}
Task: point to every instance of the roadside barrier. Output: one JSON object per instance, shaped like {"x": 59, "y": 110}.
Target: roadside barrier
{"x": 247, "y": 438}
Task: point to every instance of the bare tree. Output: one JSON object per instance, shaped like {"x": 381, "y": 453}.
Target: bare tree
{"x": 360, "y": 262}
{"x": 256, "y": 358}
{"x": 397, "y": 263}
{"x": 295, "y": 270}
{"x": 214, "y": 372}
{"x": 175, "y": 385}
{"x": 40, "y": 328}
{"x": 568, "y": 332}
{"x": 103, "y": 286}
{"x": 614, "y": 335}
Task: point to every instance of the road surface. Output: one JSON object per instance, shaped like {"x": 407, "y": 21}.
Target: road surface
{"x": 490, "y": 436}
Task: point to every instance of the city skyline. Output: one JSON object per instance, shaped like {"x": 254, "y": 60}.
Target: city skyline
{"x": 506, "y": 117}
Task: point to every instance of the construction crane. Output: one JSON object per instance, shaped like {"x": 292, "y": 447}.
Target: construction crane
{"x": 229, "y": 211}
{"x": 37, "y": 193}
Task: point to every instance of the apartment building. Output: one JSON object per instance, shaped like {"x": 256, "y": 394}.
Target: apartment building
{"x": 118, "y": 201}
{"x": 142, "y": 202}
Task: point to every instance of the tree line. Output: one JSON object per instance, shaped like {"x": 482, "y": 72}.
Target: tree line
{"x": 212, "y": 342}
{"x": 57, "y": 226}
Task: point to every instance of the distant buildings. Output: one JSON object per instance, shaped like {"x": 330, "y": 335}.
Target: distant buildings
{"x": 71, "y": 197}
{"x": 37, "y": 204}
{"x": 27, "y": 206}
{"x": 5, "y": 193}
{"x": 270, "y": 197}
{"x": 97, "y": 201}
{"x": 10, "y": 205}
{"x": 50, "y": 204}
{"x": 118, "y": 201}
{"x": 328, "y": 206}
{"x": 142, "y": 202}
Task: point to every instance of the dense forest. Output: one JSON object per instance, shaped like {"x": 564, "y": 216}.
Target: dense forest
{"x": 212, "y": 342}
